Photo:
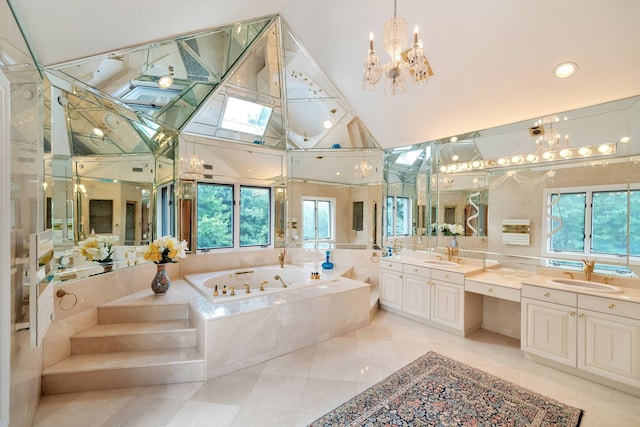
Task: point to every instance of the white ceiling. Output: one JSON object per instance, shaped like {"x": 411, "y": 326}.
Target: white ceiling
{"x": 492, "y": 59}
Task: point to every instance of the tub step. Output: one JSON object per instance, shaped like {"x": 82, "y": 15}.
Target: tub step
{"x": 125, "y": 313}
{"x": 88, "y": 372}
{"x": 119, "y": 337}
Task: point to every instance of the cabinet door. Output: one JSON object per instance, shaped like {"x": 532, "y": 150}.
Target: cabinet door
{"x": 609, "y": 346}
{"x": 549, "y": 330}
{"x": 391, "y": 289}
{"x": 417, "y": 296}
{"x": 447, "y": 303}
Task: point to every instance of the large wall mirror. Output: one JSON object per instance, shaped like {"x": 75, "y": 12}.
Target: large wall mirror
{"x": 534, "y": 189}
{"x": 334, "y": 198}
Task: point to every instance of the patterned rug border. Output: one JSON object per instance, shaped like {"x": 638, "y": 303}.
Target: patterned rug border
{"x": 362, "y": 409}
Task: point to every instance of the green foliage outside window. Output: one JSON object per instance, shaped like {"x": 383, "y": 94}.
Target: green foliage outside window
{"x": 215, "y": 216}
{"x": 610, "y": 211}
{"x": 255, "y": 219}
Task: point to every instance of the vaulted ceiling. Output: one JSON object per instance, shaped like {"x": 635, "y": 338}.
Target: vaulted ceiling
{"x": 493, "y": 60}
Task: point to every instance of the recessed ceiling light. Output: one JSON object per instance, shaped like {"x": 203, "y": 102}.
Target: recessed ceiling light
{"x": 453, "y": 139}
{"x": 564, "y": 70}
{"x": 624, "y": 139}
{"x": 327, "y": 124}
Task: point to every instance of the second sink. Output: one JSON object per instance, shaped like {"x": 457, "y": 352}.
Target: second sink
{"x": 438, "y": 263}
{"x": 588, "y": 286}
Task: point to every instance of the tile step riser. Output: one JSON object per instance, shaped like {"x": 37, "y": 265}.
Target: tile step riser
{"x": 148, "y": 341}
{"x": 148, "y": 313}
{"x": 180, "y": 372}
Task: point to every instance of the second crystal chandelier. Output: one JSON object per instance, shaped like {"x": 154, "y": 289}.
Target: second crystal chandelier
{"x": 403, "y": 60}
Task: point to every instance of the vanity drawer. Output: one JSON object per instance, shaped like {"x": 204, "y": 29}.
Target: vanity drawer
{"x": 492, "y": 290}
{"x": 417, "y": 270}
{"x": 391, "y": 265}
{"x": 609, "y": 306}
{"x": 550, "y": 295}
{"x": 447, "y": 276}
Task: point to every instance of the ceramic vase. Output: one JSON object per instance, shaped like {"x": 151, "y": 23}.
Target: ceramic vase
{"x": 160, "y": 283}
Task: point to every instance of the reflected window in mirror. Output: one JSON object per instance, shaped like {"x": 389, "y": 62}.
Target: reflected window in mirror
{"x": 398, "y": 216}
{"x": 318, "y": 219}
{"x": 166, "y": 212}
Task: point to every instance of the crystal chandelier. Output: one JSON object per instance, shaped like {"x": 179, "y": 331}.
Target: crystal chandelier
{"x": 193, "y": 167}
{"x": 363, "y": 169}
{"x": 403, "y": 59}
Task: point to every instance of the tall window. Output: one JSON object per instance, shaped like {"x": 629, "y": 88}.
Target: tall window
{"x": 318, "y": 216}
{"x": 595, "y": 221}
{"x": 255, "y": 216}
{"x": 214, "y": 216}
{"x": 221, "y": 222}
{"x": 166, "y": 209}
{"x": 398, "y": 216}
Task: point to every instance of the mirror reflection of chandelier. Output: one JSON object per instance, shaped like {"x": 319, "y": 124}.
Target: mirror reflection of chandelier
{"x": 192, "y": 168}
{"x": 549, "y": 139}
{"x": 403, "y": 60}
{"x": 363, "y": 169}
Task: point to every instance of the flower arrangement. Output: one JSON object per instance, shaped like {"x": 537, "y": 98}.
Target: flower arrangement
{"x": 447, "y": 229}
{"x": 98, "y": 248}
{"x": 165, "y": 249}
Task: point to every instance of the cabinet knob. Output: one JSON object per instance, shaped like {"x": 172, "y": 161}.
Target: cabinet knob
{"x": 490, "y": 290}
{"x": 415, "y": 269}
{"x": 581, "y": 315}
{"x": 572, "y": 313}
{"x": 547, "y": 294}
{"x": 612, "y": 306}
{"x": 446, "y": 276}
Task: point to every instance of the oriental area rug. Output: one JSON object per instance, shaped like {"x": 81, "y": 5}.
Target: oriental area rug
{"x": 434, "y": 390}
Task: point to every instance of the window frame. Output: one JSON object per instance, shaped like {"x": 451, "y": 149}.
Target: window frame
{"x": 394, "y": 215}
{"x": 588, "y": 232}
{"x": 332, "y": 219}
{"x": 236, "y": 218}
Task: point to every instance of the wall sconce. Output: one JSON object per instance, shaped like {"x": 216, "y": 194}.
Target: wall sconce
{"x": 166, "y": 81}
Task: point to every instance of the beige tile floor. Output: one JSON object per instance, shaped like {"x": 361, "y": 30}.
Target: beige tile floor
{"x": 295, "y": 389}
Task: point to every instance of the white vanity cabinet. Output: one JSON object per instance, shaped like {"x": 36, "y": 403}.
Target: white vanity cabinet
{"x": 609, "y": 337}
{"x": 430, "y": 295}
{"x": 548, "y": 324}
{"x": 391, "y": 284}
{"x": 417, "y": 291}
{"x": 447, "y": 299}
{"x": 592, "y": 334}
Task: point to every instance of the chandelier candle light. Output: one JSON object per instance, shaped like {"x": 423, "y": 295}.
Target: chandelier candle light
{"x": 403, "y": 59}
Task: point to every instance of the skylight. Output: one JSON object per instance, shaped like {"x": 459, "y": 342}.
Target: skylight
{"x": 245, "y": 116}
{"x": 408, "y": 158}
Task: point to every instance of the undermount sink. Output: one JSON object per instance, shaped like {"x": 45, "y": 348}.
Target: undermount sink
{"x": 588, "y": 286}
{"x": 438, "y": 263}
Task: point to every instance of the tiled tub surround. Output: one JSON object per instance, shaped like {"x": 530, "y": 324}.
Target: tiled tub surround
{"x": 270, "y": 328}
{"x": 247, "y": 329}
{"x": 260, "y": 280}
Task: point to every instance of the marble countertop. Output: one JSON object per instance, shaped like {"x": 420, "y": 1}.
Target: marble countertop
{"x": 514, "y": 279}
{"x": 466, "y": 267}
{"x": 629, "y": 293}
{"x": 509, "y": 279}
